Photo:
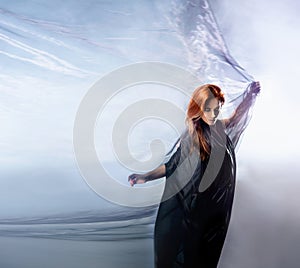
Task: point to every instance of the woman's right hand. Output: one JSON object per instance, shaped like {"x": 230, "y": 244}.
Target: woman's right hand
{"x": 136, "y": 178}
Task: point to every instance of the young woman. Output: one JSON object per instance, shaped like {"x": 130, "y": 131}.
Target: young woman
{"x": 195, "y": 210}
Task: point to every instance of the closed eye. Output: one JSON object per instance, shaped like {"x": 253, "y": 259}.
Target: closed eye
{"x": 215, "y": 110}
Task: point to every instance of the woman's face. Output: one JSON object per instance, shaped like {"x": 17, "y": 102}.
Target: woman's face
{"x": 211, "y": 111}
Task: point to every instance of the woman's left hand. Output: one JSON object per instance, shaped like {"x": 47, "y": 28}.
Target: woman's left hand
{"x": 255, "y": 87}
{"x": 136, "y": 178}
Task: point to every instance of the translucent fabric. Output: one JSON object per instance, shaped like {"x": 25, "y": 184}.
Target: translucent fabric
{"x": 64, "y": 52}
{"x": 51, "y": 59}
{"x": 207, "y": 55}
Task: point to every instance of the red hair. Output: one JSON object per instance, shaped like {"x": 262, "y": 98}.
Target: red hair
{"x": 200, "y": 97}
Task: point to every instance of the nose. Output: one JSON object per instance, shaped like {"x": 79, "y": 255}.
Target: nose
{"x": 213, "y": 114}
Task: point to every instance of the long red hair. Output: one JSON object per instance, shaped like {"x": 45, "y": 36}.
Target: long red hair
{"x": 199, "y": 99}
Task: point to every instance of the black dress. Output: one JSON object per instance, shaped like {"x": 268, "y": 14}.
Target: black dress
{"x": 191, "y": 226}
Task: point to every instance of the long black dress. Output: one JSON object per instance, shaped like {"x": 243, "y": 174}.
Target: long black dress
{"x": 191, "y": 226}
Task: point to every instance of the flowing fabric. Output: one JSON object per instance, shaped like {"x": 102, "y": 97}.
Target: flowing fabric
{"x": 64, "y": 52}
{"x": 50, "y": 60}
{"x": 209, "y": 58}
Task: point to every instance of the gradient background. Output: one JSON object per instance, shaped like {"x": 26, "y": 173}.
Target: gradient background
{"x": 42, "y": 83}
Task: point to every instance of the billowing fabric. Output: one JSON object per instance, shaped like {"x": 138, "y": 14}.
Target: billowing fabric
{"x": 191, "y": 226}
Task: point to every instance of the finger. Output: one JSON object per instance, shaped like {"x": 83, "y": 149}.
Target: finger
{"x": 132, "y": 176}
{"x": 132, "y": 181}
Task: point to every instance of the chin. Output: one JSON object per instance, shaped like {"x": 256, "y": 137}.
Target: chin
{"x": 211, "y": 123}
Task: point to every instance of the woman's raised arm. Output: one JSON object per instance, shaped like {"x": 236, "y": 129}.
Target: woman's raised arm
{"x": 237, "y": 123}
{"x": 254, "y": 89}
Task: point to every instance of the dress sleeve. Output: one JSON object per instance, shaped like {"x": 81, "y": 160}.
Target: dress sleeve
{"x": 182, "y": 152}
{"x": 237, "y": 123}
{"x": 173, "y": 162}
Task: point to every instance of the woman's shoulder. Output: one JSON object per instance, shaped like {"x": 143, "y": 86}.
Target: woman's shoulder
{"x": 185, "y": 138}
{"x": 221, "y": 124}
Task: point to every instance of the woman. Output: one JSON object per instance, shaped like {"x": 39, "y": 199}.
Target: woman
{"x": 194, "y": 214}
